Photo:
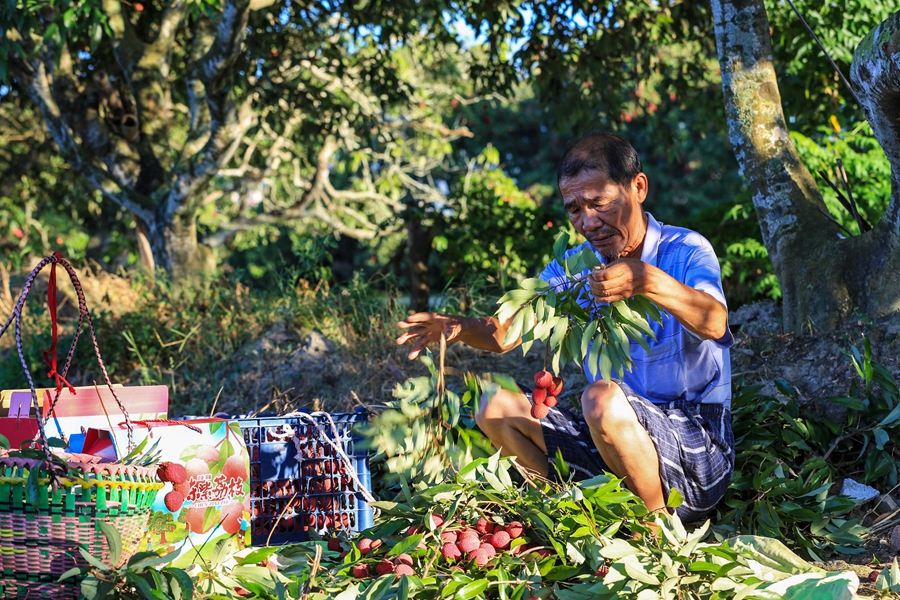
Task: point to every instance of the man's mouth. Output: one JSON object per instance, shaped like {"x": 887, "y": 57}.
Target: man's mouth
{"x": 603, "y": 240}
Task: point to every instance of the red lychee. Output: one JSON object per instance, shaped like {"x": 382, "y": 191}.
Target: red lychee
{"x": 384, "y": 567}
{"x": 450, "y": 551}
{"x": 207, "y": 453}
{"x": 174, "y": 500}
{"x": 404, "y": 559}
{"x": 543, "y": 379}
{"x": 550, "y": 402}
{"x": 235, "y": 468}
{"x": 365, "y": 546}
{"x": 438, "y": 520}
{"x": 360, "y": 571}
{"x": 500, "y": 540}
{"x": 161, "y": 472}
{"x": 484, "y": 526}
{"x": 334, "y": 545}
{"x": 469, "y": 543}
{"x": 515, "y": 529}
{"x": 539, "y": 411}
{"x": 873, "y": 576}
{"x": 230, "y": 517}
{"x": 602, "y": 571}
{"x": 539, "y": 395}
{"x": 195, "y": 467}
{"x": 449, "y": 536}
{"x": 194, "y": 519}
{"x": 176, "y": 472}
{"x": 489, "y": 549}
{"x": 557, "y": 387}
{"x": 481, "y": 557}
{"x": 403, "y": 570}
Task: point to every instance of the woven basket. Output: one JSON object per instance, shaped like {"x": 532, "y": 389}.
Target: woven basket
{"x": 40, "y": 540}
{"x": 38, "y": 544}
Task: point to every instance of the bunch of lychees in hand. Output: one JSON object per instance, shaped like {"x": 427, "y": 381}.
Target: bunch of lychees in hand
{"x": 545, "y": 394}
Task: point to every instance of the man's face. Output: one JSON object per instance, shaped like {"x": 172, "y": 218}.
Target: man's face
{"x": 608, "y": 214}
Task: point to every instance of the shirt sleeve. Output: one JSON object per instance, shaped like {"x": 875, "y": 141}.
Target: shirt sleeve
{"x": 703, "y": 273}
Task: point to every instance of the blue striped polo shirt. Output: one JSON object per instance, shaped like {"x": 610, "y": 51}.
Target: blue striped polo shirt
{"x": 680, "y": 365}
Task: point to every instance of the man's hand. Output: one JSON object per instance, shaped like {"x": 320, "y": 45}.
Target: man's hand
{"x": 427, "y": 327}
{"x": 622, "y": 279}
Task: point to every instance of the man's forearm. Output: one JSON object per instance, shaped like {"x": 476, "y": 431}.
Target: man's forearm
{"x": 699, "y": 312}
{"x": 486, "y": 333}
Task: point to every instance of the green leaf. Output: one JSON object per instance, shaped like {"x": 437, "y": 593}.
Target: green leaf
{"x": 470, "y": 590}
{"x": 4, "y": 442}
{"x": 406, "y": 544}
{"x": 560, "y": 245}
{"x": 675, "y": 500}
{"x": 33, "y": 485}
{"x": 606, "y": 364}
{"x": 114, "y": 540}
{"x": 70, "y": 573}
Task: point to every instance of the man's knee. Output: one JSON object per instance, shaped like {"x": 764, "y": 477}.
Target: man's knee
{"x": 495, "y": 408}
{"x": 605, "y": 407}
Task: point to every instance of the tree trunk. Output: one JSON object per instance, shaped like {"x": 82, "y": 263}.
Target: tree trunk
{"x": 418, "y": 244}
{"x": 823, "y": 278}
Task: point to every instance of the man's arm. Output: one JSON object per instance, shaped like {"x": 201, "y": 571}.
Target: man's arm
{"x": 698, "y": 311}
{"x": 485, "y": 333}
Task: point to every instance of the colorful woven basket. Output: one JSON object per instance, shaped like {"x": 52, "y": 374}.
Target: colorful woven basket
{"x": 40, "y": 536}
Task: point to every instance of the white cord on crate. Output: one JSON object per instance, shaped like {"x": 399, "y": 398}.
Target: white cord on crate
{"x": 335, "y": 446}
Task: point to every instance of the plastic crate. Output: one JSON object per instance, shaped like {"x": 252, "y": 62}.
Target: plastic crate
{"x": 298, "y": 482}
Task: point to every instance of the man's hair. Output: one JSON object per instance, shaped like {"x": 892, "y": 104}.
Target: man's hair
{"x": 603, "y": 151}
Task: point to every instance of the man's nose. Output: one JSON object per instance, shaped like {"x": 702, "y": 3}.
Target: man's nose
{"x": 593, "y": 219}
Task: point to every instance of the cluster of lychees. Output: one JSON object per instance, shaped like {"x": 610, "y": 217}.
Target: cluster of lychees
{"x": 545, "y": 393}
{"x": 458, "y": 542}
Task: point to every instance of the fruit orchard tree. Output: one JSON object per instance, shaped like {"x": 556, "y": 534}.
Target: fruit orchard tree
{"x": 177, "y": 110}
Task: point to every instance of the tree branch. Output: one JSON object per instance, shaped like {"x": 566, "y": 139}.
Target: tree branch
{"x": 127, "y": 47}
{"x": 875, "y": 73}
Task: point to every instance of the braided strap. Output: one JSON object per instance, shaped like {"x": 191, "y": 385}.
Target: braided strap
{"x": 84, "y": 314}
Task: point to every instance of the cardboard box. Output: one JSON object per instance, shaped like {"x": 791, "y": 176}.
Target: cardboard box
{"x": 211, "y": 503}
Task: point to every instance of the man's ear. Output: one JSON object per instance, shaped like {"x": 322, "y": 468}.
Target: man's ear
{"x": 640, "y": 185}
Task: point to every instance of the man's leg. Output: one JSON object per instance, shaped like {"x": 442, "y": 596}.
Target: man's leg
{"x": 623, "y": 442}
{"x": 506, "y": 419}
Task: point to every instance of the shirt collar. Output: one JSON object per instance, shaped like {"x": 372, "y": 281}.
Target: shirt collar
{"x": 651, "y": 240}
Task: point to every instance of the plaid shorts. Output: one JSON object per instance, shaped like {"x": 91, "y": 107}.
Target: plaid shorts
{"x": 694, "y": 441}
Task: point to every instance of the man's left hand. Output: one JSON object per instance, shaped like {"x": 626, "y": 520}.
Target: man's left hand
{"x": 622, "y": 279}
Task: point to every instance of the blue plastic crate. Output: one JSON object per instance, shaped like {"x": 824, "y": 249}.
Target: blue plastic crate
{"x": 297, "y": 481}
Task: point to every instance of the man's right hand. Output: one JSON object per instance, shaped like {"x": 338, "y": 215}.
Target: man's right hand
{"x": 425, "y": 327}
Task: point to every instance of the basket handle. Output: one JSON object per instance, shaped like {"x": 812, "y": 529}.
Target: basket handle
{"x": 16, "y": 315}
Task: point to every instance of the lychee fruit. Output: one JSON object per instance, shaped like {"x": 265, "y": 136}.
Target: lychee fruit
{"x": 235, "y": 468}
{"x": 365, "y": 546}
{"x": 207, "y": 453}
{"x": 550, "y": 402}
{"x": 413, "y": 530}
{"x": 438, "y": 520}
{"x": 174, "y": 500}
{"x": 403, "y": 570}
{"x": 515, "y": 529}
{"x": 500, "y": 540}
{"x": 539, "y": 411}
{"x": 450, "y": 551}
{"x": 162, "y": 472}
{"x": 484, "y": 526}
{"x": 481, "y": 557}
{"x": 384, "y": 567}
{"x": 195, "y": 467}
{"x": 488, "y": 548}
{"x": 543, "y": 379}
{"x": 602, "y": 571}
{"x": 404, "y": 559}
{"x": 230, "y": 517}
{"x": 539, "y": 395}
{"x": 469, "y": 543}
{"x": 334, "y": 545}
{"x": 360, "y": 571}
{"x": 176, "y": 472}
{"x": 449, "y": 536}
{"x": 557, "y": 387}
{"x": 873, "y": 576}
{"x": 194, "y": 519}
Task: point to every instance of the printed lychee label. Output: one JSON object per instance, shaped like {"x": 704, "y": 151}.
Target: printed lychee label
{"x": 207, "y": 493}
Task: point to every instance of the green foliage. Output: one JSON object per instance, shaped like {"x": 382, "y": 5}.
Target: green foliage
{"x": 571, "y": 322}
{"x": 145, "y": 576}
{"x": 788, "y": 456}
{"x": 426, "y": 431}
{"x": 491, "y": 226}
{"x": 867, "y": 167}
